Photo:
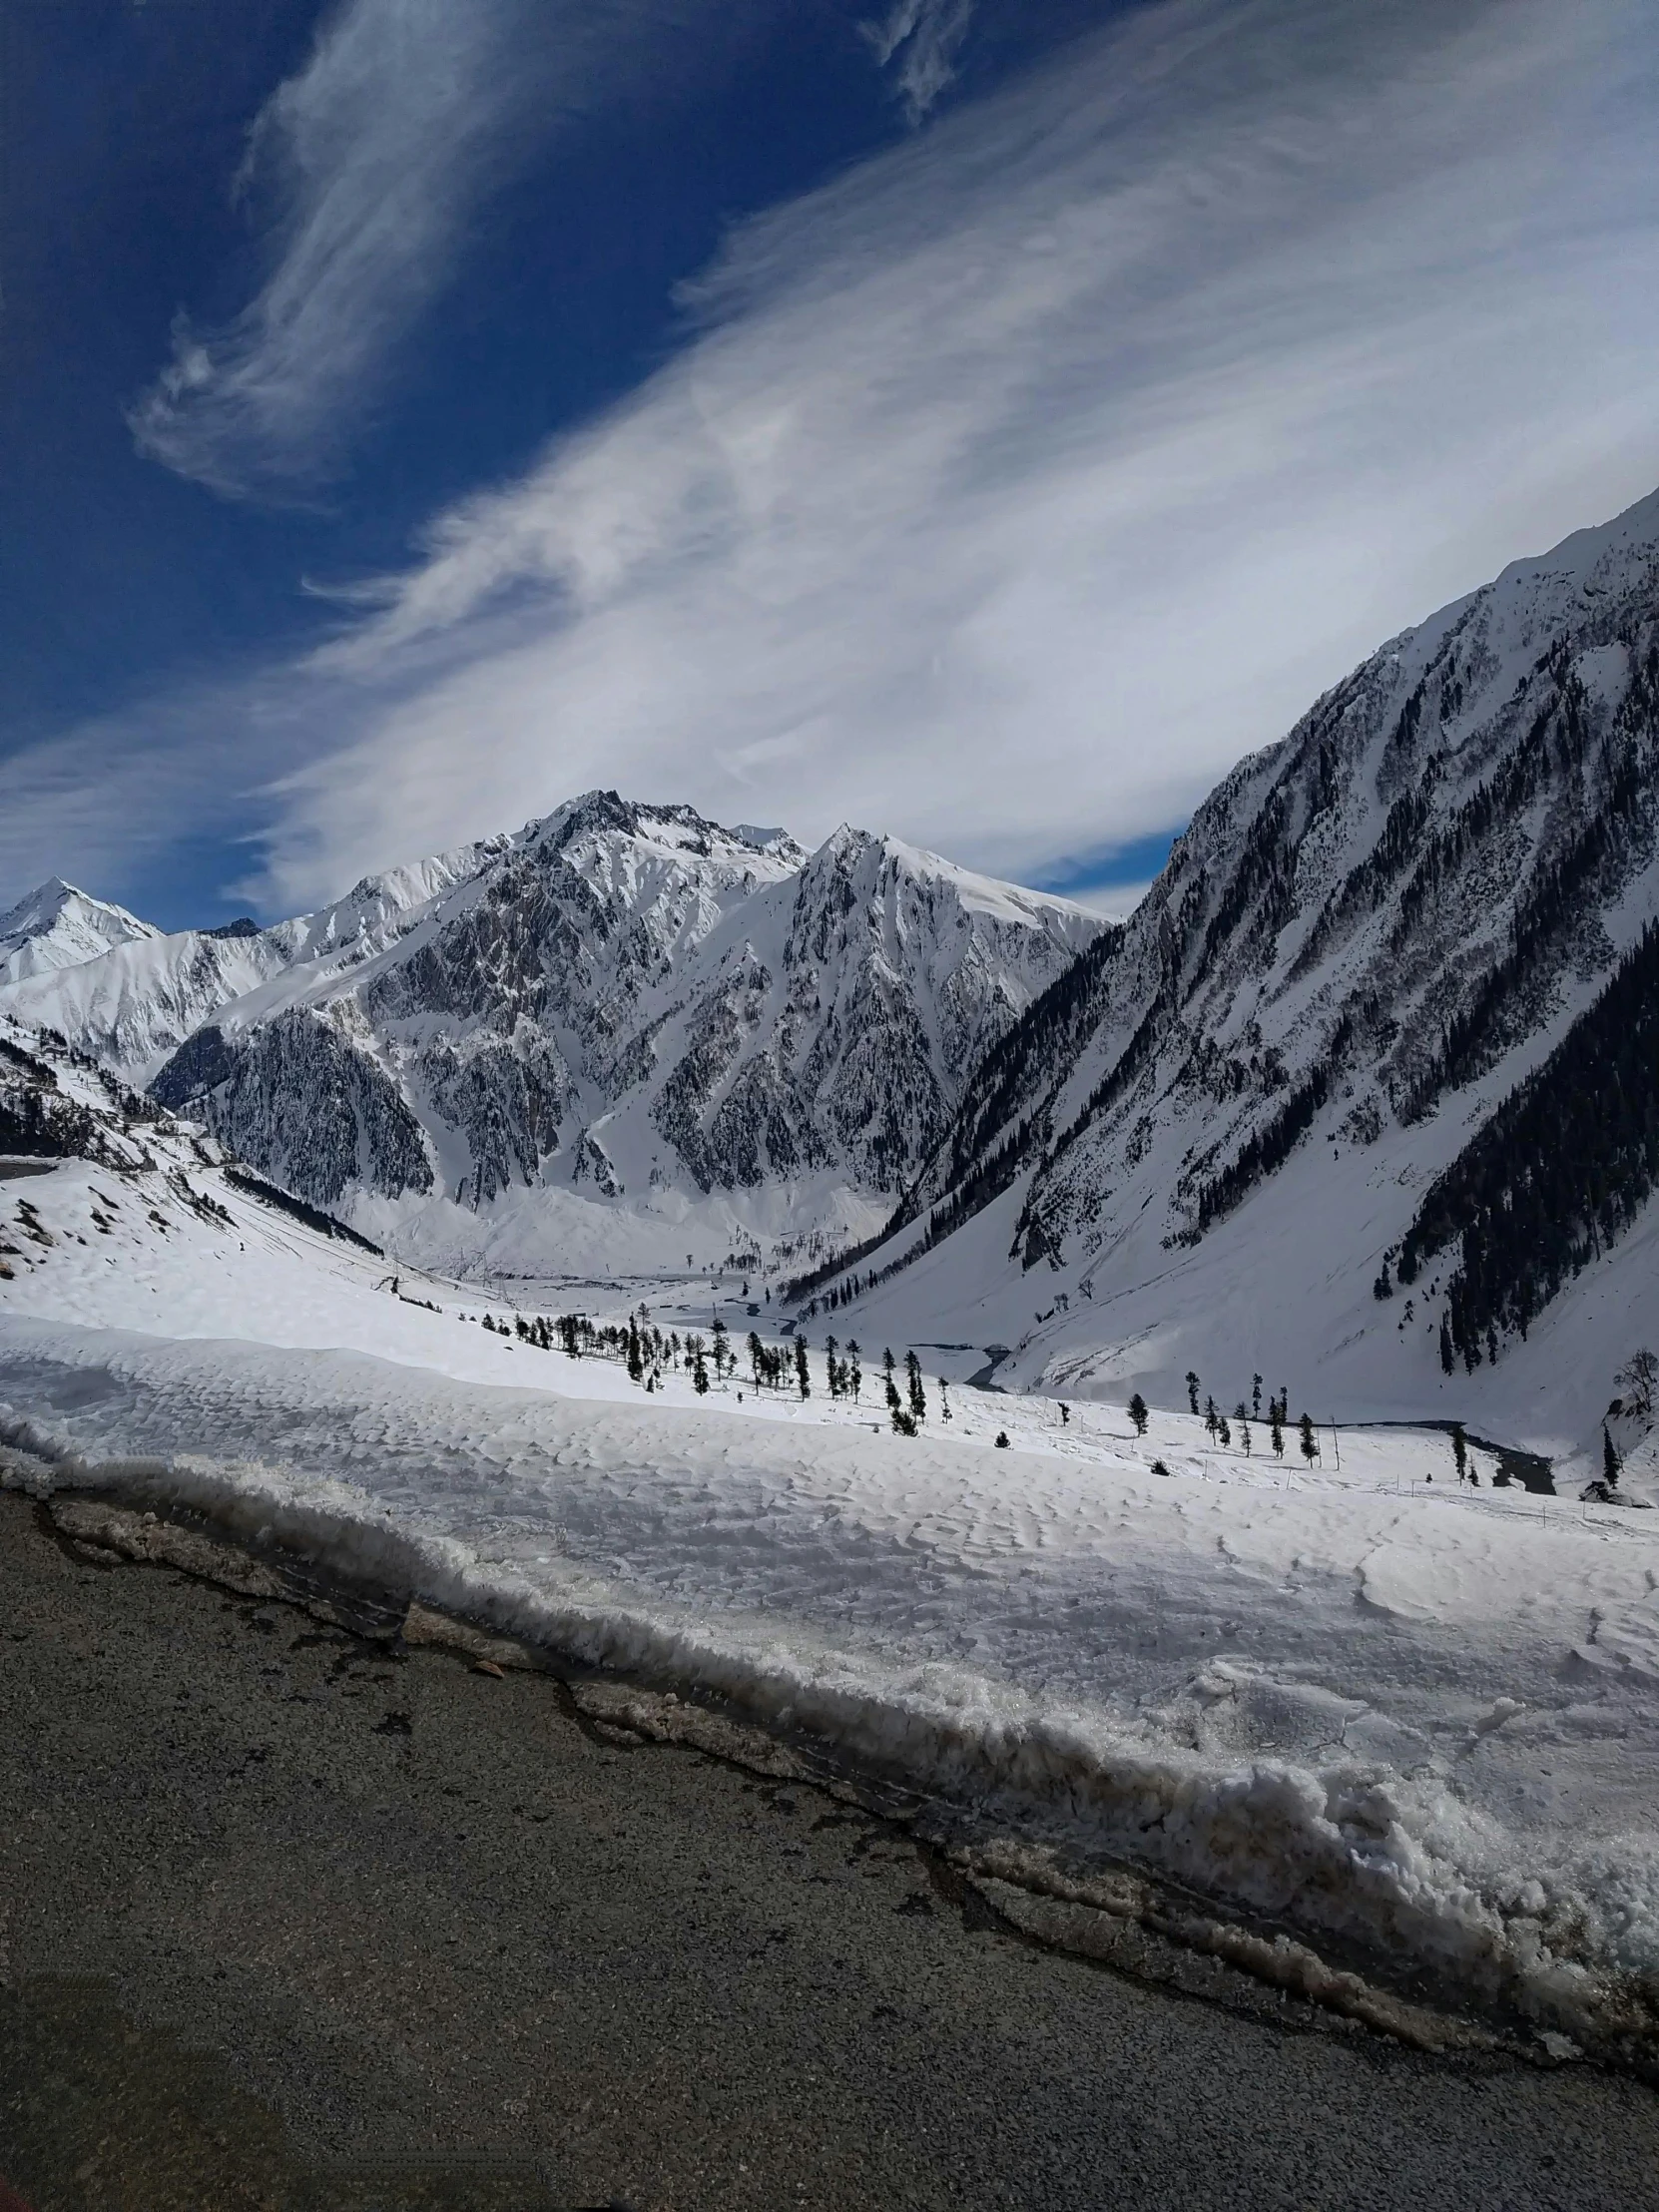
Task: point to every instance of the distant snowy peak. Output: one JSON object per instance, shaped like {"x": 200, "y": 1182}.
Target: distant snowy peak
{"x": 132, "y": 1002}
{"x": 379, "y": 907}
{"x": 57, "y": 927}
{"x": 628, "y": 997}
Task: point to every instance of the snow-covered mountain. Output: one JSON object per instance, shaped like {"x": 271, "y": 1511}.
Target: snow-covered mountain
{"x": 1276, "y": 1124}
{"x": 625, "y": 1004}
{"x": 1322, "y": 1700}
{"x": 130, "y": 1000}
{"x": 57, "y": 927}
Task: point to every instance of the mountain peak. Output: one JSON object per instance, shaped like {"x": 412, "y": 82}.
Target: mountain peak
{"x": 58, "y": 925}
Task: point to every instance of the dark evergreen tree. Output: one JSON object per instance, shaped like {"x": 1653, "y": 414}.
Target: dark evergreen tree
{"x": 1211, "y": 1416}
{"x": 1192, "y": 1389}
{"x": 1256, "y": 1397}
{"x": 1276, "y": 1430}
{"x": 912, "y": 1377}
{"x": 1137, "y": 1413}
{"x": 1310, "y": 1444}
{"x": 1611, "y": 1465}
{"x": 803, "y": 1379}
{"x": 1555, "y": 1175}
{"x": 1460, "y": 1451}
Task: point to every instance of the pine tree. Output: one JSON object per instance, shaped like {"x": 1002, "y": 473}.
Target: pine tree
{"x": 1244, "y": 1426}
{"x": 1192, "y": 1389}
{"x": 912, "y": 1377}
{"x": 1137, "y": 1413}
{"x": 856, "y": 1374}
{"x": 1255, "y": 1396}
{"x": 1212, "y": 1418}
{"x": 1611, "y": 1465}
{"x": 1277, "y": 1432}
{"x": 831, "y": 1367}
{"x": 700, "y": 1372}
{"x": 1310, "y": 1447}
{"x": 1460, "y": 1451}
{"x": 802, "y": 1379}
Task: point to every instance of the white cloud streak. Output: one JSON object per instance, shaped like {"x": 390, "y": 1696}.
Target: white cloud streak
{"x": 1009, "y": 489}
{"x": 371, "y": 163}
{"x": 1016, "y": 484}
{"x": 919, "y": 40}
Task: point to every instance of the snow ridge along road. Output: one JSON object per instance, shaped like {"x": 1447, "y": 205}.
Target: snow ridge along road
{"x": 1367, "y": 1705}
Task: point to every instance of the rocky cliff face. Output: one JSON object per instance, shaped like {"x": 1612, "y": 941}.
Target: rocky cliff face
{"x": 1416, "y": 892}
{"x": 626, "y": 998}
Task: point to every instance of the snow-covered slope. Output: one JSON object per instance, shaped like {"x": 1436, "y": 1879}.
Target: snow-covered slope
{"x": 1404, "y": 1714}
{"x": 132, "y": 1001}
{"x": 1207, "y": 1147}
{"x": 57, "y": 927}
{"x": 630, "y": 1011}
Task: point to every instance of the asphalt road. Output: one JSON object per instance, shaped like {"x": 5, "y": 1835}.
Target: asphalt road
{"x": 288, "y": 1922}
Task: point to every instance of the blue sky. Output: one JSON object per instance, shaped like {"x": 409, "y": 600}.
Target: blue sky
{"x": 978, "y": 419}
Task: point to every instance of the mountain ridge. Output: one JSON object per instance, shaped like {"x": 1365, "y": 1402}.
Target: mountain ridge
{"x": 1373, "y": 932}
{"x": 628, "y": 1001}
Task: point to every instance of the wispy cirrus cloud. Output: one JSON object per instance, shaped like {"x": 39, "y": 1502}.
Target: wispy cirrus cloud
{"x": 1008, "y": 490}
{"x": 1015, "y": 485}
{"x": 919, "y": 41}
{"x": 368, "y": 165}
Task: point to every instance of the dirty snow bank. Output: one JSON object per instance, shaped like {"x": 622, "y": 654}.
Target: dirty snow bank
{"x": 1423, "y": 1721}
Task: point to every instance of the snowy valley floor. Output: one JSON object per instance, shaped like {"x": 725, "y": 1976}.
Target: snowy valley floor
{"x": 1412, "y": 1723}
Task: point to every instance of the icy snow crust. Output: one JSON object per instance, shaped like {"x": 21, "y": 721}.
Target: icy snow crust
{"x": 1370, "y": 1707}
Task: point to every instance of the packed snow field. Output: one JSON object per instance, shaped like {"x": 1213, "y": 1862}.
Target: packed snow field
{"x": 1368, "y": 1701}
